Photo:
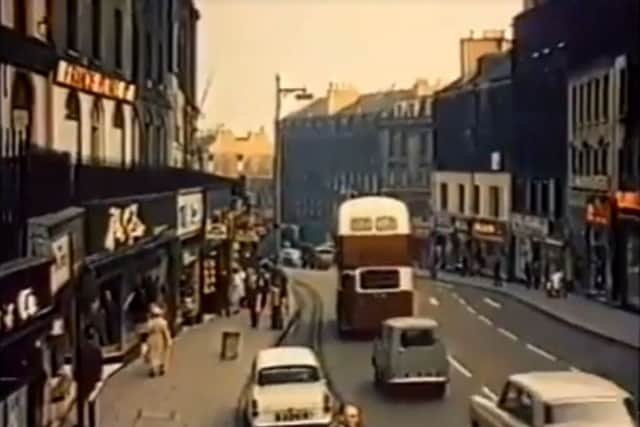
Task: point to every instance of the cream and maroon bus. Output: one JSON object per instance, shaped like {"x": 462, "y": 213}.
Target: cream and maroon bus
{"x": 375, "y": 274}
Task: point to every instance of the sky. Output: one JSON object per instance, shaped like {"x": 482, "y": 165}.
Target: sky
{"x": 371, "y": 44}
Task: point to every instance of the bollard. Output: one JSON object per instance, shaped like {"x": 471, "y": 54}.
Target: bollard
{"x": 230, "y": 346}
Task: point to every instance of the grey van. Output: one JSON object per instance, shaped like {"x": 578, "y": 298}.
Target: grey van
{"x": 408, "y": 351}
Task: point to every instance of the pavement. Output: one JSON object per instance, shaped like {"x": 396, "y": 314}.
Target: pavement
{"x": 592, "y": 316}
{"x": 488, "y": 336}
{"x": 200, "y": 388}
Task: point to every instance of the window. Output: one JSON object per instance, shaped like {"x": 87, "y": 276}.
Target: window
{"x": 135, "y": 48}
{"x": 544, "y": 198}
{"x": 417, "y": 338}
{"x": 605, "y": 97}
{"x": 494, "y": 201}
{"x": 148, "y": 57}
{"x": 461, "y": 198}
{"x": 20, "y": 16}
{"x": 72, "y": 24}
{"x": 96, "y": 28}
{"x": 604, "y": 158}
{"x": 589, "y": 101}
{"x": 160, "y": 71}
{"x": 532, "y": 195}
{"x": 288, "y": 374}
{"x": 573, "y": 159}
{"x": 581, "y": 104}
{"x": 444, "y": 197}
{"x": 403, "y": 145}
{"x": 118, "y": 117}
{"x": 588, "y": 162}
{"x": 424, "y": 146}
{"x": 72, "y": 107}
{"x": 118, "y": 37}
{"x": 574, "y": 109}
{"x": 476, "y": 199}
{"x": 597, "y": 99}
{"x": 518, "y": 403}
{"x": 97, "y": 146}
{"x": 624, "y": 84}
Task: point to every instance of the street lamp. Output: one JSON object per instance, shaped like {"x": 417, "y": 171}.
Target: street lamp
{"x": 301, "y": 94}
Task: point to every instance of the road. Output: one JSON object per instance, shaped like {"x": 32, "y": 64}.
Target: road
{"x": 488, "y": 339}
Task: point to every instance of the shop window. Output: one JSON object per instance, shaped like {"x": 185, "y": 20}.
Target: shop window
{"x": 96, "y": 28}
{"x": 494, "y": 201}
{"x": 20, "y": 16}
{"x": 444, "y": 196}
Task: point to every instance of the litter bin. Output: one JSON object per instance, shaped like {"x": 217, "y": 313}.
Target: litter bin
{"x": 230, "y": 348}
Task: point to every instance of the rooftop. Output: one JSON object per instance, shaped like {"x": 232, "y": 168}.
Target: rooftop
{"x": 411, "y": 323}
{"x": 288, "y": 355}
{"x": 567, "y": 385}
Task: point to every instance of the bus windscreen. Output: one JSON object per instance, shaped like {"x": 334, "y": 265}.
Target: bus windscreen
{"x": 379, "y": 280}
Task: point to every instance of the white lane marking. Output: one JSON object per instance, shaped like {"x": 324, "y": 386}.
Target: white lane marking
{"x": 574, "y": 369}
{"x": 485, "y": 320}
{"x": 459, "y": 366}
{"x": 446, "y": 286}
{"x": 471, "y": 310}
{"x": 492, "y": 303}
{"x": 488, "y": 392}
{"x": 462, "y": 301}
{"x": 508, "y": 334}
{"x": 434, "y": 301}
{"x": 455, "y": 295}
{"x": 542, "y": 352}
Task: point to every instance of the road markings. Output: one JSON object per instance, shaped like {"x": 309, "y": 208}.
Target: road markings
{"x": 446, "y": 286}
{"x": 459, "y": 366}
{"x": 434, "y": 301}
{"x": 486, "y": 390}
{"x": 462, "y": 301}
{"x": 485, "y": 320}
{"x": 542, "y": 352}
{"x": 471, "y": 310}
{"x": 492, "y": 303}
{"x": 455, "y": 295}
{"x": 574, "y": 369}
{"x": 508, "y": 334}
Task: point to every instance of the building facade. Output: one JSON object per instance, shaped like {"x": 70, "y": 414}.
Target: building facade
{"x": 471, "y": 186}
{"x": 406, "y": 144}
{"x": 331, "y": 150}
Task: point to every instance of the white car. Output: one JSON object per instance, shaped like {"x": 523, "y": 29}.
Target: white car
{"x": 288, "y": 388}
{"x": 555, "y": 399}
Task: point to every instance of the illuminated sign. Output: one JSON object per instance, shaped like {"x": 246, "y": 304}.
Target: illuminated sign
{"x": 87, "y": 80}
{"x": 598, "y": 214}
{"x": 361, "y": 224}
{"x": 484, "y": 228}
{"x": 628, "y": 200}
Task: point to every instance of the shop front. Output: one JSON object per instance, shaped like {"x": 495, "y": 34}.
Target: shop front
{"x": 489, "y": 245}
{"x": 443, "y": 240}
{"x": 462, "y": 228}
{"x": 26, "y": 307}
{"x": 599, "y": 247}
{"x": 529, "y": 234}
{"x": 59, "y": 237}
{"x": 627, "y": 236}
{"x": 190, "y": 230}
{"x": 133, "y": 262}
{"x": 420, "y": 231}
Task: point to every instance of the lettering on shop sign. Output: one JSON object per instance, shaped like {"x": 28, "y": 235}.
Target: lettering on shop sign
{"x": 61, "y": 267}
{"x": 190, "y": 213}
{"x": 91, "y": 81}
{"x": 15, "y": 313}
{"x": 125, "y": 227}
{"x": 485, "y": 228}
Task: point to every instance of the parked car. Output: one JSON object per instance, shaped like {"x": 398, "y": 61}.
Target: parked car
{"x": 560, "y": 399}
{"x": 291, "y": 257}
{"x": 287, "y": 388}
{"x": 408, "y": 351}
{"x": 324, "y": 257}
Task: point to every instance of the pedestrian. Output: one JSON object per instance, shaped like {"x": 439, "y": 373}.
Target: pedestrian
{"x": 348, "y": 415}
{"x": 276, "y": 304}
{"x": 527, "y": 274}
{"x": 264, "y": 283}
{"x": 252, "y": 298}
{"x": 497, "y": 273}
{"x": 236, "y": 290}
{"x": 159, "y": 342}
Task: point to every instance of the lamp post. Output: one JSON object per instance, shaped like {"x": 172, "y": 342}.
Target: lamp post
{"x": 300, "y": 93}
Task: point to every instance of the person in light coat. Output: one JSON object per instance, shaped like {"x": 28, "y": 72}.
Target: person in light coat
{"x": 237, "y": 290}
{"x": 159, "y": 342}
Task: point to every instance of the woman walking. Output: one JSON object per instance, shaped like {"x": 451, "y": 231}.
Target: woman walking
{"x": 159, "y": 342}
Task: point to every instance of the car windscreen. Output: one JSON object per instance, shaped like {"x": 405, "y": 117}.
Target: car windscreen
{"x": 417, "y": 338}
{"x": 288, "y": 374}
{"x": 601, "y": 411}
{"x": 325, "y": 251}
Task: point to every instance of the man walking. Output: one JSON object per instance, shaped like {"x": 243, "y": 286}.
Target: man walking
{"x": 252, "y": 298}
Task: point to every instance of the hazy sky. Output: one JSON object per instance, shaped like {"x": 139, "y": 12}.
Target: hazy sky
{"x": 369, "y": 43}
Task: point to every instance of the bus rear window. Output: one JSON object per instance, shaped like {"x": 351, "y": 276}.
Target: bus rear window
{"x": 417, "y": 338}
{"x": 379, "y": 280}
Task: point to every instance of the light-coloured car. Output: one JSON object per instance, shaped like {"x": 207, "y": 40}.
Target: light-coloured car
{"x": 408, "y": 350}
{"x": 291, "y": 257}
{"x": 555, "y": 399}
{"x": 288, "y": 388}
{"x": 324, "y": 256}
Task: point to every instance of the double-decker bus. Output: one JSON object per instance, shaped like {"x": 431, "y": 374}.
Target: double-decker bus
{"x": 375, "y": 274}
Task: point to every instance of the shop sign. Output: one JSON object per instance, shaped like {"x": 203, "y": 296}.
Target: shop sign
{"x": 628, "y": 201}
{"x": 529, "y": 225}
{"x": 125, "y": 227}
{"x": 17, "y": 409}
{"x": 217, "y": 231}
{"x": 61, "y": 266}
{"x": 488, "y": 229}
{"x": 598, "y": 214}
{"x": 190, "y": 211}
{"x": 82, "y": 78}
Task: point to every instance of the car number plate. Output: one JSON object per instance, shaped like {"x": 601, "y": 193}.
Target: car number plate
{"x": 293, "y": 415}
